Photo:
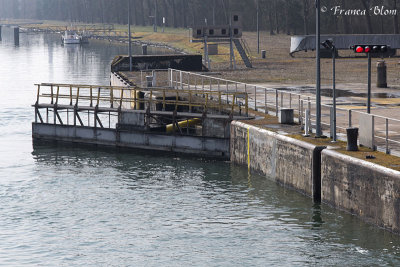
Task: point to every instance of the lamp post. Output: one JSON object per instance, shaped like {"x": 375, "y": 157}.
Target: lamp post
{"x": 328, "y": 44}
{"x": 258, "y": 29}
{"x": 318, "y": 67}
{"x": 129, "y": 35}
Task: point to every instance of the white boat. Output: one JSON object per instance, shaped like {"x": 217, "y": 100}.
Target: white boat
{"x": 71, "y": 37}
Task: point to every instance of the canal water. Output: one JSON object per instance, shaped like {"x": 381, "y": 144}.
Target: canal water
{"x": 81, "y": 206}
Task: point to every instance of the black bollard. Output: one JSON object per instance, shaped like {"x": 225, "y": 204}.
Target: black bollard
{"x": 352, "y": 136}
{"x": 144, "y": 50}
{"x": 263, "y": 54}
{"x": 16, "y": 36}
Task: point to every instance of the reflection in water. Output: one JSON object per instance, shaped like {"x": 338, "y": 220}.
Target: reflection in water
{"x": 317, "y": 219}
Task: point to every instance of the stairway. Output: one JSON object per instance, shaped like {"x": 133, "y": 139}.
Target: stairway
{"x": 242, "y": 53}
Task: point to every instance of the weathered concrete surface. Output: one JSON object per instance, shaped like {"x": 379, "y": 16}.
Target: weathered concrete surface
{"x": 286, "y": 160}
{"x": 206, "y": 146}
{"x": 362, "y": 188}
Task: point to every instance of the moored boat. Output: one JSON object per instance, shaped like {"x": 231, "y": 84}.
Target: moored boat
{"x": 71, "y": 37}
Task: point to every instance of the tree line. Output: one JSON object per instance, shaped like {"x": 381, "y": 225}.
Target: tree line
{"x": 275, "y": 16}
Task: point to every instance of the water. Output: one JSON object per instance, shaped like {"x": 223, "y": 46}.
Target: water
{"x": 81, "y": 206}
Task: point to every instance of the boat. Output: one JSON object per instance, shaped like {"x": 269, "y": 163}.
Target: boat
{"x": 71, "y": 37}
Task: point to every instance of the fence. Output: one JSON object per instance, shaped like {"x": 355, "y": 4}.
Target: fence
{"x": 385, "y": 132}
{"x": 93, "y": 105}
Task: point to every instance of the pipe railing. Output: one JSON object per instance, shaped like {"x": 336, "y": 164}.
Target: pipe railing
{"x": 271, "y": 100}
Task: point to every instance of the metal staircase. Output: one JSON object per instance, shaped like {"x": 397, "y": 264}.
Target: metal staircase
{"x": 242, "y": 53}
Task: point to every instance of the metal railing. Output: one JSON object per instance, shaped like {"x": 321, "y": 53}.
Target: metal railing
{"x": 109, "y": 100}
{"x": 385, "y": 132}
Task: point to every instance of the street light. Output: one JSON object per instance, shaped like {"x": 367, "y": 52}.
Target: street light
{"x": 129, "y": 35}
{"x": 329, "y": 44}
{"x": 258, "y": 28}
{"x": 318, "y": 68}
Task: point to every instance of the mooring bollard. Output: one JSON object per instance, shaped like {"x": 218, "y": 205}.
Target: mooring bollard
{"x": 352, "y": 136}
{"x": 263, "y": 54}
{"x": 381, "y": 81}
{"x": 144, "y": 50}
{"x": 16, "y": 35}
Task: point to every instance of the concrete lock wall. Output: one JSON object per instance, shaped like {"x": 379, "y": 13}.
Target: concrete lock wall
{"x": 286, "y": 160}
{"x": 207, "y": 146}
{"x": 362, "y": 188}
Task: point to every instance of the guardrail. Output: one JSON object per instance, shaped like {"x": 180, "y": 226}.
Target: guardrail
{"x": 385, "y": 132}
{"x": 96, "y": 100}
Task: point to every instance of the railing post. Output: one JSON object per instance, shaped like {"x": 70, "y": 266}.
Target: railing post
{"x": 255, "y": 98}
{"x": 51, "y": 93}
{"x": 171, "y": 78}
{"x": 38, "y": 94}
{"x": 276, "y": 103}
{"x": 181, "y": 79}
{"x": 265, "y": 101}
{"x": 350, "y": 118}
{"x": 281, "y": 99}
{"x": 299, "y": 110}
{"x": 163, "y": 108}
{"x": 301, "y": 103}
{"x": 176, "y": 80}
{"x": 247, "y": 104}
{"x": 227, "y": 90}
{"x": 112, "y": 97}
{"x": 290, "y": 100}
{"x": 58, "y": 93}
{"x": 91, "y": 97}
{"x": 387, "y": 136}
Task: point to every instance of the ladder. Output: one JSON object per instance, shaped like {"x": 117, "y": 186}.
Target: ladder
{"x": 242, "y": 53}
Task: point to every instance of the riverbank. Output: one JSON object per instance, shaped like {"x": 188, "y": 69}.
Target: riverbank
{"x": 278, "y": 68}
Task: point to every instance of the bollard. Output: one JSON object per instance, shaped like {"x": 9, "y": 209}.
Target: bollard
{"x": 381, "y": 81}
{"x": 263, "y": 54}
{"x": 352, "y": 135}
{"x": 286, "y": 116}
{"x": 16, "y": 36}
{"x": 144, "y": 50}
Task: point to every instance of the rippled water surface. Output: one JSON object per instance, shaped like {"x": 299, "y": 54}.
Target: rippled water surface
{"x": 81, "y": 206}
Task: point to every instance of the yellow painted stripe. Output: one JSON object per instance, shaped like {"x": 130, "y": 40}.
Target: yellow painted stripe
{"x": 248, "y": 148}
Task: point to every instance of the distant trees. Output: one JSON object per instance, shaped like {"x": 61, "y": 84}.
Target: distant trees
{"x": 276, "y": 16}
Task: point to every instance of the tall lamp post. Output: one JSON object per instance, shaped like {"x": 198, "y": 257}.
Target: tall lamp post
{"x": 318, "y": 67}
{"x": 129, "y": 35}
{"x": 329, "y": 44}
{"x": 258, "y": 28}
